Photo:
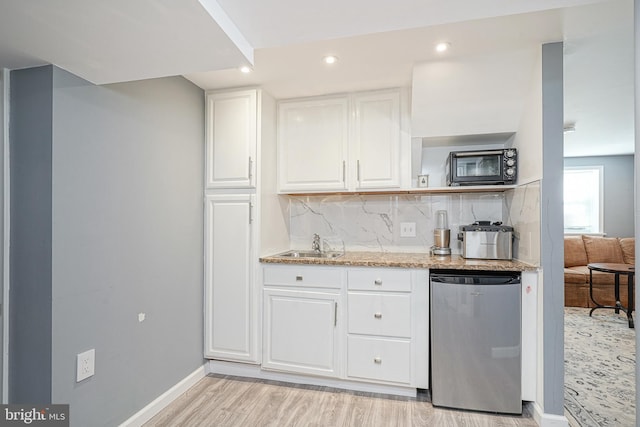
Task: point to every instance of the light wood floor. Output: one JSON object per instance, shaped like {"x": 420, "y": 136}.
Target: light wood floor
{"x": 219, "y": 400}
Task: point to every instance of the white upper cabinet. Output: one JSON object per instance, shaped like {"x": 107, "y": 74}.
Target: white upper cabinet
{"x": 376, "y": 140}
{"x": 340, "y": 143}
{"x": 312, "y": 144}
{"x": 231, "y": 139}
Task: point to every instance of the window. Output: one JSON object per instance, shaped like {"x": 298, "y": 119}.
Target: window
{"x": 583, "y": 199}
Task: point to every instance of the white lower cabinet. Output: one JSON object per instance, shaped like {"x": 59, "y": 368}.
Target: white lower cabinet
{"x": 384, "y": 359}
{"x": 301, "y": 319}
{"x": 380, "y": 314}
{"x": 360, "y": 324}
{"x": 385, "y": 332}
{"x": 300, "y": 331}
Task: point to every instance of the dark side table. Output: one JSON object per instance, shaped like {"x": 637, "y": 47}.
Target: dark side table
{"x": 617, "y": 270}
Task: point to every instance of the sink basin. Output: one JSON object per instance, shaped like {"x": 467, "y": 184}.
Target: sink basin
{"x": 310, "y": 254}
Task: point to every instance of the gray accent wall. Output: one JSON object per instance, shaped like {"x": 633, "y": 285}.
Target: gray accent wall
{"x": 618, "y": 197}
{"x": 636, "y": 36}
{"x": 30, "y": 322}
{"x": 125, "y": 238}
{"x": 552, "y": 229}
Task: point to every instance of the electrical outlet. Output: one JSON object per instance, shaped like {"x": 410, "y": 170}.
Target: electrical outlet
{"x": 86, "y": 365}
{"x": 407, "y": 229}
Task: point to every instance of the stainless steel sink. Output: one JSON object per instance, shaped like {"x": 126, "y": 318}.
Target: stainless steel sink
{"x": 310, "y": 254}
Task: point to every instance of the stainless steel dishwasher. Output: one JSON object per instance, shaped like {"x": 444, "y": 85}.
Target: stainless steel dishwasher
{"x": 475, "y": 340}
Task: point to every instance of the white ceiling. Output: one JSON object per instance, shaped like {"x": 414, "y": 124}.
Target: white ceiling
{"x": 378, "y": 43}
{"x": 116, "y": 40}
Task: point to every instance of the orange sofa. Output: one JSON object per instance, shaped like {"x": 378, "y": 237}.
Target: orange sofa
{"x": 582, "y": 250}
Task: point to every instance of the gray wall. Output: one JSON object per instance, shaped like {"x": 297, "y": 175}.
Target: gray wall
{"x": 636, "y": 24}
{"x": 30, "y": 322}
{"x": 618, "y": 191}
{"x": 552, "y": 232}
{"x": 126, "y": 238}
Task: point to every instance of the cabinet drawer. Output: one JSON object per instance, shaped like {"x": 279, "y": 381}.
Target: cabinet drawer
{"x": 379, "y": 279}
{"x": 379, "y": 359}
{"x": 380, "y": 314}
{"x": 303, "y": 276}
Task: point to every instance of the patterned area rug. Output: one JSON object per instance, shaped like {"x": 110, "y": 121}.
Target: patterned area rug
{"x": 599, "y": 366}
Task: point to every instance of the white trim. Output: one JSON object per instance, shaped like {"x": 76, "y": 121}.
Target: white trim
{"x": 235, "y": 35}
{"x": 149, "y": 411}
{"x": 254, "y": 371}
{"x": 547, "y": 420}
{"x": 4, "y": 280}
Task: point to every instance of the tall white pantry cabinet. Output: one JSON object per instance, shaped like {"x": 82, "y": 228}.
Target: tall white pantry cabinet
{"x": 240, "y": 127}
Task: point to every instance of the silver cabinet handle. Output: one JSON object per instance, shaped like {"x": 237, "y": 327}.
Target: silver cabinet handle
{"x": 298, "y": 278}
{"x": 344, "y": 171}
{"x": 250, "y": 169}
{"x": 378, "y": 315}
{"x": 378, "y": 282}
{"x": 377, "y": 360}
{"x": 335, "y": 315}
{"x": 250, "y": 213}
{"x": 358, "y": 170}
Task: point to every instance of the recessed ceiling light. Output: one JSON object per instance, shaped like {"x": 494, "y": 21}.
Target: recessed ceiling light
{"x": 330, "y": 59}
{"x": 443, "y": 46}
{"x": 245, "y": 69}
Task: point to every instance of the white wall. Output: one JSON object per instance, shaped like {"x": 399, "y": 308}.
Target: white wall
{"x": 528, "y": 139}
{"x": 479, "y": 94}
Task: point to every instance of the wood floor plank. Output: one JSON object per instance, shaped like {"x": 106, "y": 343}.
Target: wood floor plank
{"x": 225, "y": 401}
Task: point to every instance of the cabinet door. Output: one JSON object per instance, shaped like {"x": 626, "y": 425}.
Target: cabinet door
{"x": 230, "y": 296}
{"x": 231, "y": 139}
{"x": 376, "y": 140}
{"x": 300, "y": 332}
{"x": 312, "y": 144}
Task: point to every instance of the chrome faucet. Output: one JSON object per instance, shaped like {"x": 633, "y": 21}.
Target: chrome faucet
{"x": 315, "y": 245}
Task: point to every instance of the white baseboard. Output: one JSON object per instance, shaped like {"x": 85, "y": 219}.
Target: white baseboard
{"x": 255, "y": 371}
{"x": 548, "y": 420}
{"x": 149, "y": 411}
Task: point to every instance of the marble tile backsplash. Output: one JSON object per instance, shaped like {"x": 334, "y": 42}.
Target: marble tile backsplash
{"x": 522, "y": 211}
{"x": 372, "y": 223}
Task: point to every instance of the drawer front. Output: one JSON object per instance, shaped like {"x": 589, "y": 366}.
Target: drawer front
{"x": 379, "y": 314}
{"x": 302, "y": 276}
{"x": 379, "y": 279}
{"x": 379, "y": 359}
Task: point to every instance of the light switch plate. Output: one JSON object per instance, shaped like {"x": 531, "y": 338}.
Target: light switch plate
{"x": 86, "y": 365}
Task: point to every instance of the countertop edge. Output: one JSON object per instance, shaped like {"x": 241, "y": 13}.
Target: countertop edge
{"x": 405, "y": 260}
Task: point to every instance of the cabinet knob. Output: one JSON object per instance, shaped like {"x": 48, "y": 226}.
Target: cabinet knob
{"x": 377, "y": 360}
{"x": 298, "y": 278}
{"x": 378, "y": 281}
{"x": 378, "y": 315}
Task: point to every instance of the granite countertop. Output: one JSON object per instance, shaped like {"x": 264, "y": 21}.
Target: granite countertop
{"x": 405, "y": 260}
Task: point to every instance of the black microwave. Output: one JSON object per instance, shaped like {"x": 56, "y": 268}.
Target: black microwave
{"x": 482, "y": 167}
